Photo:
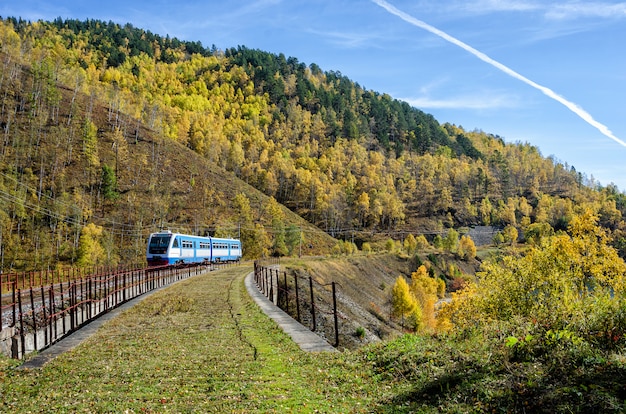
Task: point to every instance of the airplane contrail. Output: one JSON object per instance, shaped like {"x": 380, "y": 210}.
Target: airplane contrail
{"x": 480, "y": 55}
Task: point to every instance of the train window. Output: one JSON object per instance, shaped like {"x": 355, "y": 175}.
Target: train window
{"x": 187, "y": 244}
{"x": 158, "y": 244}
{"x": 175, "y": 242}
{"x": 160, "y": 241}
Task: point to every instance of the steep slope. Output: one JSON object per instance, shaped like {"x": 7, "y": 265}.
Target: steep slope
{"x": 364, "y": 286}
{"x": 68, "y": 160}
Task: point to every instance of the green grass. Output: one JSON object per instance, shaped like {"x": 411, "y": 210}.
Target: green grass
{"x": 199, "y": 346}
{"x": 202, "y": 346}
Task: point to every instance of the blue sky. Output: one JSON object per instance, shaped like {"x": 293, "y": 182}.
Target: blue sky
{"x": 551, "y": 73}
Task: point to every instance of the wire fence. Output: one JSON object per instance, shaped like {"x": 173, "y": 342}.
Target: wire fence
{"x": 35, "y": 317}
{"x": 301, "y": 297}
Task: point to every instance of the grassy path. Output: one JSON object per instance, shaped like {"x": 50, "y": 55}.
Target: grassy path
{"x": 201, "y": 345}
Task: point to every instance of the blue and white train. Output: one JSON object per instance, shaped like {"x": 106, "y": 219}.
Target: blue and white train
{"x": 167, "y": 248}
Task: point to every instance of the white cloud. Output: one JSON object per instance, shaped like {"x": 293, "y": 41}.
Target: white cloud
{"x": 473, "y": 102}
{"x": 575, "y": 10}
{"x": 489, "y": 6}
{"x": 481, "y": 100}
{"x": 346, "y": 39}
{"x": 567, "y": 10}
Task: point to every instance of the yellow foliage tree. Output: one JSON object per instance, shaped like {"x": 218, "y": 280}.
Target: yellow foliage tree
{"x": 90, "y": 250}
{"x": 421, "y": 242}
{"x": 410, "y": 244}
{"x": 510, "y": 234}
{"x": 402, "y": 301}
{"x": 425, "y": 290}
{"x": 467, "y": 248}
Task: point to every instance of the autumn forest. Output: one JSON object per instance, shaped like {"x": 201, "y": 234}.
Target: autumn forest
{"x": 131, "y": 132}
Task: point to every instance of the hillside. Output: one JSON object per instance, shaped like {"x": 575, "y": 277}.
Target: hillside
{"x": 364, "y": 291}
{"x": 100, "y": 121}
{"x": 52, "y": 183}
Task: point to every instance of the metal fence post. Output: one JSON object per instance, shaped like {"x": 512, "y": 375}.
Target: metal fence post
{"x": 116, "y": 284}
{"x": 295, "y": 278}
{"x": 53, "y": 325}
{"x": 32, "y": 308}
{"x": 335, "y": 313}
{"x": 82, "y": 301}
{"x": 63, "y": 307}
{"x": 89, "y": 297}
{"x": 14, "y": 302}
{"x": 71, "y": 294}
{"x": 271, "y": 291}
{"x": 312, "y": 304}
{"x": 45, "y": 318}
{"x": 278, "y": 293}
{"x": 21, "y": 314}
{"x": 286, "y": 294}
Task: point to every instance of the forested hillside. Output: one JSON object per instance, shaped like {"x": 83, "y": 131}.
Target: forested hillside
{"x": 95, "y": 116}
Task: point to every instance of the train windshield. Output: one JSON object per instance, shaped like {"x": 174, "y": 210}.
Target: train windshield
{"x": 159, "y": 243}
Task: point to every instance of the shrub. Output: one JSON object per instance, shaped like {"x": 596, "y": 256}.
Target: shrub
{"x": 366, "y": 248}
{"x": 433, "y": 258}
{"x": 421, "y": 242}
{"x": 457, "y": 283}
{"x": 390, "y": 245}
{"x": 360, "y": 332}
{"x": 568, "y": 283}
{"x": 415, "y": 320}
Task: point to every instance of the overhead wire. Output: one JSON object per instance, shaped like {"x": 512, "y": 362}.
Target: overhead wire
{"x": 125, "y": 229}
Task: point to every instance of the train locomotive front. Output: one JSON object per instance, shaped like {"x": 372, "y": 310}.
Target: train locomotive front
{"x": 167, "y": 248}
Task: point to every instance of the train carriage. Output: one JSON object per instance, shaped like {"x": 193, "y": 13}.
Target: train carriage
{"x": 167, "y": 248}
